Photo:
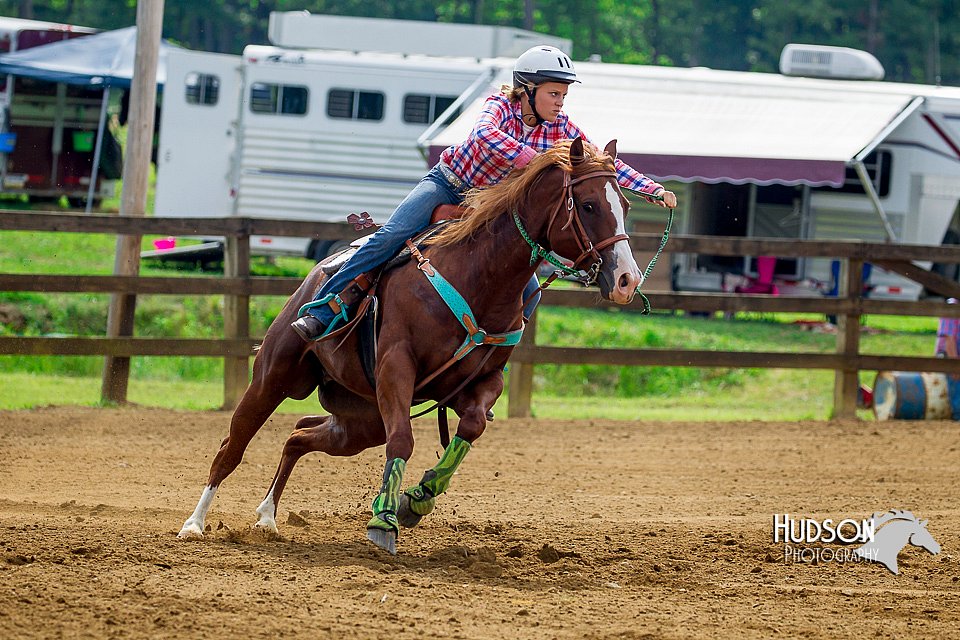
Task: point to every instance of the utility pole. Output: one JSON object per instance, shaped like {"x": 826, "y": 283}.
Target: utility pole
{"x": 133, "y": 199}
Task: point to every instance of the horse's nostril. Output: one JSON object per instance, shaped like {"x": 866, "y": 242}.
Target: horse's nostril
{"x": 624, "y": 281}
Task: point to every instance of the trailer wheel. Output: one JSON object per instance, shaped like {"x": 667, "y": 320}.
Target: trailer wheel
{"x": 337, "y": 246}
{"x": 52, "y": 201}
{"x": 317, "y": 250}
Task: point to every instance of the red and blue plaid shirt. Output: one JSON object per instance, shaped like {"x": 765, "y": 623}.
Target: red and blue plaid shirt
{"x": 498, "y": 143}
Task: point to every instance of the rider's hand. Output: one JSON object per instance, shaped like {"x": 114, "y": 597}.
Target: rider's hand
{"x": 669, "y": 200}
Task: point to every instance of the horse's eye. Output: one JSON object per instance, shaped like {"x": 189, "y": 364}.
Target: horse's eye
{"x": 587, "y": 207}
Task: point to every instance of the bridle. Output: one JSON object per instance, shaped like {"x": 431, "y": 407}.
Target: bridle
{"x": 589, "y": 252}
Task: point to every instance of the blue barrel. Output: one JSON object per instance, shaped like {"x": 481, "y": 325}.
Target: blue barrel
{"x": 908, "y": 395}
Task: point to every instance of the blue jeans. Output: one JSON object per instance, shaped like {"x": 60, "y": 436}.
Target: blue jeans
{"x": 409, "y": 218}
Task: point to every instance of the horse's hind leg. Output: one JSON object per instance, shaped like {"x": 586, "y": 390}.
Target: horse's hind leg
{"x": 331, "y": 435}
{"x": 253, "y": 410}
{"x": 273, "y": 381}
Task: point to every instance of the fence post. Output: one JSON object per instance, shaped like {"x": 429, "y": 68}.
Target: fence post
{"x": 521, "y": 377}
{"x": 236, "y": 319}
{"x": 846, "y": 381}
{"x": 133, "y": 198}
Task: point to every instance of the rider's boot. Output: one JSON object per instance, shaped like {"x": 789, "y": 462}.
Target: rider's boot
{"x": 311, "y": 328}
{"x": 319, "y": 318}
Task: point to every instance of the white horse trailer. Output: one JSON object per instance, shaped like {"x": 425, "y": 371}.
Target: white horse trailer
{"x": 316, "y": 133}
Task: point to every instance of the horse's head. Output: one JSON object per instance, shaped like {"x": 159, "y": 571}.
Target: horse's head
{"x": 570, "y": 204}
{"x": 589, "y": 225}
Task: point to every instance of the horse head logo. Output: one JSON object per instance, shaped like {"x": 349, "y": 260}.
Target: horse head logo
{"x": 901, "y": 528}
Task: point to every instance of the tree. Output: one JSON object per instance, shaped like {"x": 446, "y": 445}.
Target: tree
{"x": 915, "y": 40}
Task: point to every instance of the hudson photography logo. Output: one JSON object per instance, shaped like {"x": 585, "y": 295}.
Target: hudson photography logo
{"x": 878, "y": 538}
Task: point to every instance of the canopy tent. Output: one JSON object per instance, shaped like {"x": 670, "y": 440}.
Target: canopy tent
{"x": 702, "y": 125}
{"x": 103, "y": 59}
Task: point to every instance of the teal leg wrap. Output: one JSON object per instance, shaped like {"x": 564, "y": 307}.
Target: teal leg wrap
{"x": 423, "y": 497}
{"x": 386, "y": 503}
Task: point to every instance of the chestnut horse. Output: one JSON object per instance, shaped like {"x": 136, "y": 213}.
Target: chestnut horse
{"x": 567, "y": 201}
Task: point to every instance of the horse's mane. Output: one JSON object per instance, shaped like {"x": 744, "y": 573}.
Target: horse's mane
{"x": 489, "y": 203}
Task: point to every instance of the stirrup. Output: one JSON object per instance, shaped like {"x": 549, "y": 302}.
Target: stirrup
{"x": 324, "y": 301}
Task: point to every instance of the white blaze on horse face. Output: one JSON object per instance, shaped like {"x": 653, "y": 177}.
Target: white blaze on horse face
{"x": 626, "y": 265}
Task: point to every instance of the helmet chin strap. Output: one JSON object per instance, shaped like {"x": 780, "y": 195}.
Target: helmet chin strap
{"x": 531, "y": 99}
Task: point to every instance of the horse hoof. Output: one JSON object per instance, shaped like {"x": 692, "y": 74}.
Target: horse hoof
{"x": 405, "y": 515}
{"x": 386, "y": 540}
{"x": 269, "y": 526}
{"x": 190, "y": 531}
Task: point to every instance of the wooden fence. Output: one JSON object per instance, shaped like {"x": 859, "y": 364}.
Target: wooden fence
{"x": 237, "y": 286}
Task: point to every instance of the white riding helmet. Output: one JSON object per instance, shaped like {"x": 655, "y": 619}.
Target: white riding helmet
{"x": 543, "y": 64}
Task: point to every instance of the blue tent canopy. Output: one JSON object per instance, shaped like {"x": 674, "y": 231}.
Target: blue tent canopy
{"x": 100, "y": 60}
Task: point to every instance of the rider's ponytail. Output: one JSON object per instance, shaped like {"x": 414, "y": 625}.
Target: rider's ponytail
{"x": 513, "y": 93}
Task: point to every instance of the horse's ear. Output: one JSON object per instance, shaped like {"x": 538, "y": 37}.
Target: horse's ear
{"x": 923, "y": 523}
{"x": 611, "y": 149}
{"x": 576, "y": 151}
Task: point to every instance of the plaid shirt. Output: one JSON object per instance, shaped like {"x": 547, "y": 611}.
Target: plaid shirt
{"x": 498, "y": 143}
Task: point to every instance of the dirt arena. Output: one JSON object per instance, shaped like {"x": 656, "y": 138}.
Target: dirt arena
{"x": 581, "y": 529}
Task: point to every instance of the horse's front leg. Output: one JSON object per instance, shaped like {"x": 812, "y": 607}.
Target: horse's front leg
{"x": 395, "y": 378}
{"x": 472, "y": 406}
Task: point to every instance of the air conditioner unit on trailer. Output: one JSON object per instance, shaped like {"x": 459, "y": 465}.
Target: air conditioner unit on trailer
{"x": 820, "y": 61}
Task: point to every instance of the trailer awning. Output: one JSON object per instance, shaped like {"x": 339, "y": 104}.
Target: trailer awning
{"x": 701, "y": 125}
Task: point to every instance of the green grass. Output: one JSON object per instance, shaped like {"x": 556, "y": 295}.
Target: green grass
{"x": 567, "y": 391}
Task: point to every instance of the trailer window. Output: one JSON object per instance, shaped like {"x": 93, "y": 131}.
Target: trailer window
{"x": 350, "y": 104}
{"x": 878, "y": 165}
{"x": 202, "y": 88}
{"x": 282, "y": 99}
{"x": 425, "y": 109}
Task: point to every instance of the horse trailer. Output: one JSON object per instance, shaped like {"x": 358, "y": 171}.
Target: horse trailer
{"x": 784, "y": 156}
{"x": 312, "y": 127}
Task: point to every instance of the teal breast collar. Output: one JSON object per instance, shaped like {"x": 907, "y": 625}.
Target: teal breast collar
{"x": 462, "y": 312}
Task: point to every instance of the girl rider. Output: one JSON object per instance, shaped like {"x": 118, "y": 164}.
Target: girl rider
{"x": 513, "y": 126}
